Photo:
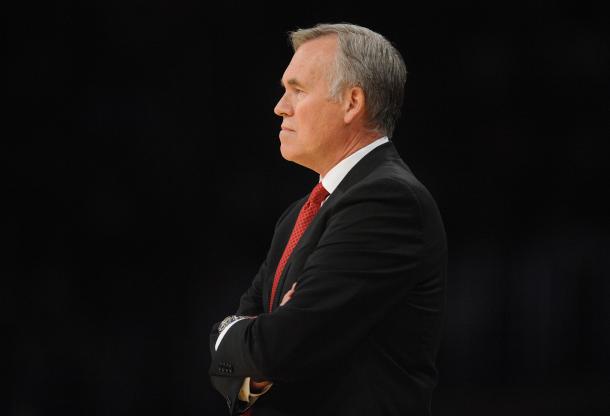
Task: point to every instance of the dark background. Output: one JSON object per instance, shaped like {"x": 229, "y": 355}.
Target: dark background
{"x": 144, "y": 180}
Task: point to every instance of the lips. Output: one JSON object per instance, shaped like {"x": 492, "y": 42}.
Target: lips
{"x": 286, "y": 128}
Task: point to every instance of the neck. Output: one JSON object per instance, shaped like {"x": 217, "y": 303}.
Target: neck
{"x": 349, "y": 147}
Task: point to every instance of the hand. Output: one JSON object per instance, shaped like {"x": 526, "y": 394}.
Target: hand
{"x": 258, "y": 386}
{"x": 288, "y": 295}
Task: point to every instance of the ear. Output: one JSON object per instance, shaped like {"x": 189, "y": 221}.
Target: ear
{"x": 354, "y": 101}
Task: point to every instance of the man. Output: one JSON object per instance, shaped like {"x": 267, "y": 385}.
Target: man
{"x": 344, "y": 315}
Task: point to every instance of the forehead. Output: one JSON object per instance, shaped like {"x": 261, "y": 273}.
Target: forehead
{"x": 311, "y": 61}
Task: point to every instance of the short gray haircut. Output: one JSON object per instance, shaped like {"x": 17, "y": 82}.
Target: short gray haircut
{"x": 368, "y": 60}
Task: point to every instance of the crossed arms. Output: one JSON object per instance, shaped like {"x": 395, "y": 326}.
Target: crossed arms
{"x": 363, "y": 264}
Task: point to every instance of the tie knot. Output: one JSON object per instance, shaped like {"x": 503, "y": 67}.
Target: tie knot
{"x": 318, "y": 194}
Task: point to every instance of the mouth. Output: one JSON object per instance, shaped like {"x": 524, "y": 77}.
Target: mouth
{"x": 284, "y": 128}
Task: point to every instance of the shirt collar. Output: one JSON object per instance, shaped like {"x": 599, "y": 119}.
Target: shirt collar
{"x": 333, "y": 177}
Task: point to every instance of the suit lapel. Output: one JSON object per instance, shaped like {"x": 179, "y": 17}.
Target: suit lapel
{"x": 381, "y": 153}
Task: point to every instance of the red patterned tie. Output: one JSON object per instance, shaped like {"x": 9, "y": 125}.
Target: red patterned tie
{"x": 308, "y": 211}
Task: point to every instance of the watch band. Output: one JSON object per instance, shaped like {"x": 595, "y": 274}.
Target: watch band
{"x": 228, "y": 320}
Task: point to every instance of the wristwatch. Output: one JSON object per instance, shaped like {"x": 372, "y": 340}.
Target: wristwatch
{"x": 228, "y": 320}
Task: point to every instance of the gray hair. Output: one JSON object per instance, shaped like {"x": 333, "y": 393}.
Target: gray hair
{"x": 367, "y": 60}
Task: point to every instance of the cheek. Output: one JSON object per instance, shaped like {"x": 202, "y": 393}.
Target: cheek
{"x": 310, "y": 116}
{"x": 315, "y": 119}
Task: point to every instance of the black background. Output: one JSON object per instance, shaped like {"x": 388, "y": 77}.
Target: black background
{"x": 144, "y": 180}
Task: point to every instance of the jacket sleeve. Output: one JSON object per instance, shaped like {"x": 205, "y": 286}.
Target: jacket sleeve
{"x": 365, "y": 262}
{"x": 224, "y": 383}
{"x": 251, "y": 303}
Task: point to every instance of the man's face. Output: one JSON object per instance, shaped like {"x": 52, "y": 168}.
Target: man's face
{"x": 312, "y": 122}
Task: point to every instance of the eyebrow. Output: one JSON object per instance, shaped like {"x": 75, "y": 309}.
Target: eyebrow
{"x": 293, "y": 82}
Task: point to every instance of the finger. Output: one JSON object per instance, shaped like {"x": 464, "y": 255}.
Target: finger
{"x": 288, "y": 295}
{"x": 285, "y": 299}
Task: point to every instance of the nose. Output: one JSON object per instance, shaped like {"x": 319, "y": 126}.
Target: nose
{"x": 283, "y": 107}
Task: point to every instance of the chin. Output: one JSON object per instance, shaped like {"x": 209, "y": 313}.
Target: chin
{"x": 284, "y": 151}
{"x": 286, "y": 154}
{"x": 290, "y": 154}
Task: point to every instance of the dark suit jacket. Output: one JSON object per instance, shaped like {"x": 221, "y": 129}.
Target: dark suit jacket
{"x": 361, "y": 333}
